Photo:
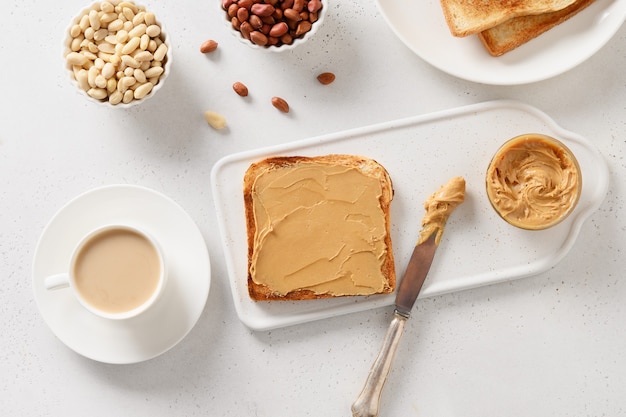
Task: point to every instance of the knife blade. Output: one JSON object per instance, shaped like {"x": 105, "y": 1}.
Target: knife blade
{"x": 438, "y": 209}
{"x": 415, "y": 275}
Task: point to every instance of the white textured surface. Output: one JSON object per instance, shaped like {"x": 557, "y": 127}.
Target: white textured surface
{"x": 547, "y": 345}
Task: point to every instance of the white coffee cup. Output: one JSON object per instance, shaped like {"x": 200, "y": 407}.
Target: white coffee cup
{"x": 116, "y": 272}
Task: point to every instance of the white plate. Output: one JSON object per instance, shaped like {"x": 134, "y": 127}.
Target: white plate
{"x": 182, "y": 302}
{"x": 421, "y": 153}
{"x": 421, "y": 26}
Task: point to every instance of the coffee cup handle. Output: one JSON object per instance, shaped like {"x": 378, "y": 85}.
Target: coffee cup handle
{"x": 57, "y": 281}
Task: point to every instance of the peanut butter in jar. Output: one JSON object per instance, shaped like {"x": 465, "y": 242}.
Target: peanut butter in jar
{"x": 533, "y": 181}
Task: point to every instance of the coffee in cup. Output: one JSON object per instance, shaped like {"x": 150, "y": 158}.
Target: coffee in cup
{"x": 116, "y": 272}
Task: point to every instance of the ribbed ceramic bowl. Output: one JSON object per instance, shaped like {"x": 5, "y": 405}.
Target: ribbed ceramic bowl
{"x": 281, "y": 47}
{"x": 82, "y": 88}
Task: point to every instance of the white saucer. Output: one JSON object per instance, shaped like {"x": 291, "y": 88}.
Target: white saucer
{"x": 174, "y": 315}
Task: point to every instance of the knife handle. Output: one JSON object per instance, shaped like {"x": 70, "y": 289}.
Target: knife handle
{"x": 367, "y": 404}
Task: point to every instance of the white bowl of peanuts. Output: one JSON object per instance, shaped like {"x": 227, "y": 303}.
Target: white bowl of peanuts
{"x": 274, "y": 25}
{"x": 117, "y": 53}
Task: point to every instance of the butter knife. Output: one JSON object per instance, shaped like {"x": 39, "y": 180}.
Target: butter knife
{"x": 438, "y": 208}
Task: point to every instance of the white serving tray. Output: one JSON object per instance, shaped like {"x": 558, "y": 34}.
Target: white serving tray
{"x": 421, "y": 153}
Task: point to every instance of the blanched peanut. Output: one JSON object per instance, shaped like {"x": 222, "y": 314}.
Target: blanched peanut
{"x": 115, "y": 97}
{"x": 143, "y": 56}
{"x": 97, "y": 93}
{"x": 138, "y": 19}
{"x": 74, "y": 58}
{"x": 75, "y": 44}
{"x": 108, "y": 17}
{"x": 75, "y": 31}
{"x": 140, "y": 76}
{"x": 101, "y": 82}
{"x": 81, "y": 78}
{"x": 153, "y": 31}
{"x": 125, "y": 82}
{"x": 128, "y": 14}
{"x": 129, "y": 61}
{"x": 150, "y": 19}
{"x": 94, "y": 21}
{"x": 107, "y": 7}
{"x": 144, "y": 42}
{"x": 108, "y": 70}
{"x": 137, "y": 31}
{"x": 160, "y": 52}
{"x": 128, "y": 97}
{"x": 91, "y": 76}
{"x": 121, "y": 36}
{"x": 132, "y": 44}
{"x": 215, "y": 120}
{"x": 143, "y": 90}
{"x": 84, "y": 22}
{"x": 106, "y": 48}
{"x": 153, "y": 72}
{"x": 111, "y": 85}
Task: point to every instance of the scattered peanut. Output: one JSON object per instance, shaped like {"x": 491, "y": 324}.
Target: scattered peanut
{"x": 326, "y": 78}
{"x": 208, "y": 46}
{"x": 272, "y": 22}
{"x": 117, "y": 52}
{"x": 280, "y": 104}
{"x": 215, "y": 120}
{"x": 240, "y": 89}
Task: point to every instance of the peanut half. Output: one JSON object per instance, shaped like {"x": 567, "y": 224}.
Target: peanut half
{"x": 241, "y": 89}
{"x": 326, "y": 78}
{"x": 280, "y": 104}
{"x": 208, "y": 46}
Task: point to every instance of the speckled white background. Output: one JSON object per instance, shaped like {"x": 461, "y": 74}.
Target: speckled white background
{"x": 549, "y": 345}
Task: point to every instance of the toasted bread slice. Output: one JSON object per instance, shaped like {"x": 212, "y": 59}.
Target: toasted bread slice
{"x": 468, "y": 17}
{"x": 318, "y": 227}
{"x": 519, "y": 30}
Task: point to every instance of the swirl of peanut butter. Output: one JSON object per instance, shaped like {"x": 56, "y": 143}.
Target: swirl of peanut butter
{"x": 533, "y": 182}
{"x": 439, "y": 206}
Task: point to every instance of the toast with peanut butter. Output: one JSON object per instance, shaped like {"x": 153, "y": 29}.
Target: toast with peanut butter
{"x": 468, "y": 17}
{"x": 318, "y": 227}
{"x": 519, "y": 30}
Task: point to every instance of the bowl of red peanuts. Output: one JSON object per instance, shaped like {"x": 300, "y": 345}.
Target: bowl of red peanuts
{"x": 117, "y": 52}
{"x": 274, "y": 25}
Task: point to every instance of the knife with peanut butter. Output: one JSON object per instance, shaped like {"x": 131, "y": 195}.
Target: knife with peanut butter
{"x": 438, "y": 207}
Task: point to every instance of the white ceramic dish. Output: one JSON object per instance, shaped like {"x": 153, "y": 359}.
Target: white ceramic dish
{"x": 169, "y": 320}
{"x": 105, "y": 103}
{"x": 283, "y": 48}
{"x": 421, "y": 153}
{"x": 422, "y": 27}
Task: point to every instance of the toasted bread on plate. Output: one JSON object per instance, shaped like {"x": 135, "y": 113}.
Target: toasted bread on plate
{"x": 509, "y": 35}
{"x": 468, "y": 17}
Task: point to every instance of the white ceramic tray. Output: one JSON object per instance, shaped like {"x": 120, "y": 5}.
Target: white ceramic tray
{"x": 421, "y": 153}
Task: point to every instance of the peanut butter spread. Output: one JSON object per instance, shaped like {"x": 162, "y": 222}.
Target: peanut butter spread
{"x": 319, "y": 227}
{"x": 439, "y": 206}
{"x": 533, "y": 181}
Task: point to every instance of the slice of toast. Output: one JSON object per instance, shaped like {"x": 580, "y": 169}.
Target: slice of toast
{"x": 519, "y": 30}
{"x": 468, "y": 17}
{"x": 318, "y": 227}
